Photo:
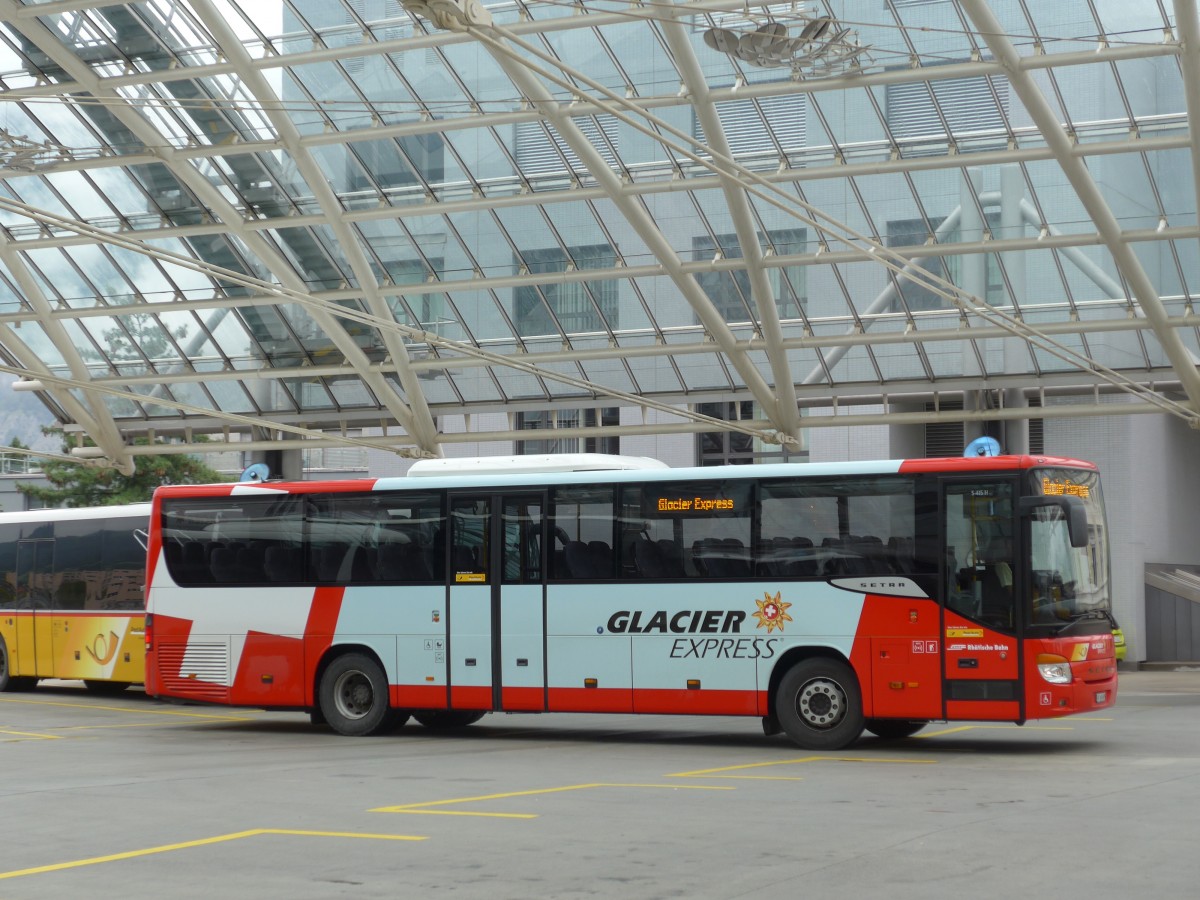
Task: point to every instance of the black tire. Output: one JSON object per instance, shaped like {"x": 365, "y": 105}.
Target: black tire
{"x": 819, "y": 704}
{"x": 354, "y": 696}
{"x": 105, "y": 688}
{"x": 10, "y": 682}
{"x": 894, "y": 729}
{"x": 448, "y": 719}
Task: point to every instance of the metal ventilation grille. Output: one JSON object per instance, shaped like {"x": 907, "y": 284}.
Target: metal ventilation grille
{"x": 968, "y": 104}
{"x": 537, "y": 154}
{"x": 753, "y": 126}
{"x": 1037, "y": 431}
{"x": 203, "y": 670}
{"x": 944, "y": 438}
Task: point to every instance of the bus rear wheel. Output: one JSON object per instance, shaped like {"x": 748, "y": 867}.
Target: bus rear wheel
{"x": 819, "y": 704}
{"x": 894, "y": 729}
{"x": 448, "y": 719}
{"x": 9, "y": 682}
{"x": 354, "y": 696}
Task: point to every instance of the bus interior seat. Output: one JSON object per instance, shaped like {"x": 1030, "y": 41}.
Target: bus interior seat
{"x": 577, "y": 559}
{"x": 402, "y": 562}
{"x": 721, "y": 558}
{"x": 902, "y": 554}
{"x": 229, "y": 566}
{"x": 657, "y": 559}
{"x": 193, "y": 564}
{"x": 282, "y": 563}
{"x": 602, "y": 559}
{"x": 326, "y": 563}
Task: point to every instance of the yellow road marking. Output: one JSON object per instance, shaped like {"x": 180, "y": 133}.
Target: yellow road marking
{"x": 1015, "y": 726}
{"x": 715, "y": 773}
{"x": 127, "y": 709}
{"x": 424, "y": 808}
{"x": 31, "y": 734}
{"x": 184, "y": 845}
{"x": 954, "y": 730}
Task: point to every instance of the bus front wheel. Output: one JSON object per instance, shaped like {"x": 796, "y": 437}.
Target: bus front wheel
{"x": 354, "y": 696}
{"x": 819, "y": 704}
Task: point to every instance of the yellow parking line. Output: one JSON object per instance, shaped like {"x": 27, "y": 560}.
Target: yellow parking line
{"x": 134, "y": 710}
{"x": 715, "y": 773}
{"x": 31, "y": 734}
{"x": 424, "y": 808}
{"x": 955, "y": 730}
{"x": 184, "y": 845}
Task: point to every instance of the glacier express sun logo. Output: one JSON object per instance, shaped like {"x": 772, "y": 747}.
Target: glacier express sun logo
{"x": 772, "y": 612}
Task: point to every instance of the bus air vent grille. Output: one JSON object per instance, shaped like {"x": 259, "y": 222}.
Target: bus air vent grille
{"x": 195, "y": 670}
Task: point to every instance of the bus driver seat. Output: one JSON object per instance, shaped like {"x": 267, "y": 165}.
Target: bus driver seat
{"x": 996, "y": 584}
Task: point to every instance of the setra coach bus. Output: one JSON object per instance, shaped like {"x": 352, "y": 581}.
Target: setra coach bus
{"x": 71, "y": 596}
{"x": 824, "y": 599}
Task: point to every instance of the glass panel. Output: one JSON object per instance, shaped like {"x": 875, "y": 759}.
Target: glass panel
{"x": 979, "y": 551}
{"x": 688, "y": 529}
{"x": 583, "y": 533}
{"x": 247, "y": 540}
{"x": 1069, "y": 582}
{"x": 469, "y": 541}
{"x": 521, "y": 526}
{"x": 409, "y": 545}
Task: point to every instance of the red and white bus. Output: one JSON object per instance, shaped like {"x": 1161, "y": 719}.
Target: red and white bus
{"x": 822, "y": 598}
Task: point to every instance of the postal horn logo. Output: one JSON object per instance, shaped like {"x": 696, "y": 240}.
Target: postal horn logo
{"x": 772, "y": 612}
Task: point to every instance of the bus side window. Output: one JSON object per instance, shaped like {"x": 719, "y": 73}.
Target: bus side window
{"x": 469, "y": 541}
{"x": 582, "y": 534}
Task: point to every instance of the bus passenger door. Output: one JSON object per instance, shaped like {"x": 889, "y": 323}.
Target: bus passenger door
{"x": 469, "y": 609}
{"x": 519, "y": 643}
{"x": 35, "y": 571}
{"x": 496, "y": 609}
{"x": 982, "y": 662}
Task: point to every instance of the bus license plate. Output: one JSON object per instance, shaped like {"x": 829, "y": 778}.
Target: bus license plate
{"x": 1101, "y": 696}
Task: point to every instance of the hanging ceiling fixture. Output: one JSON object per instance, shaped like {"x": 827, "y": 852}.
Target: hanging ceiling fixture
{"x": 822, "y": 48}
{"x": 24, "y": 155}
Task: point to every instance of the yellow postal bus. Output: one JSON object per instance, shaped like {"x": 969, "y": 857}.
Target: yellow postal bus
{"x": 71, "y": 596}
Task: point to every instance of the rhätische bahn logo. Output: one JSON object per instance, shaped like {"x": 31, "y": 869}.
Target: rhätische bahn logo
{"x": 772, "y": 612}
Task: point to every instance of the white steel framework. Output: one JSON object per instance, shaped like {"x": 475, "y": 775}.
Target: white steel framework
{"x": 303, "y": 223}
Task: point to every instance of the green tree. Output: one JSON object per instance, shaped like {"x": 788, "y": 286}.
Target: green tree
{"x": 76, "y": 485}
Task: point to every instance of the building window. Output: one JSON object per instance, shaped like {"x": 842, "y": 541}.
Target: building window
{"x": 571, "y": 307}
{"x": 730, "y": 291}
{"x": 733, "y": 448}
{"x": 914, "y": 233}
{"x": 549, "y": 420}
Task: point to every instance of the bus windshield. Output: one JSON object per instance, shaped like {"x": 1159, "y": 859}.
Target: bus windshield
{"x": 1068, "y": 583}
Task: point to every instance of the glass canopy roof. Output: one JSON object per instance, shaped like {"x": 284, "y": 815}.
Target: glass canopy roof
{"x": 301, "y": 223}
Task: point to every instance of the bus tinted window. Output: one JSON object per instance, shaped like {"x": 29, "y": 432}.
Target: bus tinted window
{"x": 79, "y": 576}
{"x": 218, "y": 540}
{"x": 841, "y": 527}
{"x": 690, "y": 529}
{"x": 583, "y": 534}
{"x": 409, "y": 546}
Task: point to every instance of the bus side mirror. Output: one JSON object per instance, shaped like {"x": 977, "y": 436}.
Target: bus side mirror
{"x": 1073, "y": 511}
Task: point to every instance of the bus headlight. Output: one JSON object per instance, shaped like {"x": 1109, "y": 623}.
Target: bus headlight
{"x": 1054, "y": 668}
